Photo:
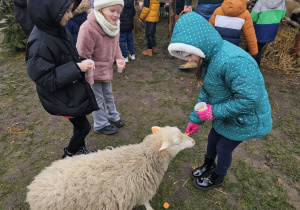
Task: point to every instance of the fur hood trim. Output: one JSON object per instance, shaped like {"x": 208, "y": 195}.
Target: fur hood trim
{"x": 178, "y": 50}
{"x": 84, "y": 6}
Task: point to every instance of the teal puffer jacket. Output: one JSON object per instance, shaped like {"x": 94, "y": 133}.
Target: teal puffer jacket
{"x": 233, "y": 83}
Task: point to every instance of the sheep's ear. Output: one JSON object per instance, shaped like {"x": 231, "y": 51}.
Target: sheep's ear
{"x": 164, "y": 146}
{"x": 155, "y": 129}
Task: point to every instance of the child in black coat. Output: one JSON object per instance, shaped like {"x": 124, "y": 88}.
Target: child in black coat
{"x": 55, "y": 66}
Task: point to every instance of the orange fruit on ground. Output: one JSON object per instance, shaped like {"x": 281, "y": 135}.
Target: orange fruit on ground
{"x": 166, "y": 205}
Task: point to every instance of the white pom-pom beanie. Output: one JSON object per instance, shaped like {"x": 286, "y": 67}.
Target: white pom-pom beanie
{"x": 99, "y": 4}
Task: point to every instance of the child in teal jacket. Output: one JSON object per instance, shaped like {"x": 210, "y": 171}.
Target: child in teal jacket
{"x": 233, "y": 89}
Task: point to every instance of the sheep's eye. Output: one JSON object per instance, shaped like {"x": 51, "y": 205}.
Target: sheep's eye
{"x": 178, "y": 142}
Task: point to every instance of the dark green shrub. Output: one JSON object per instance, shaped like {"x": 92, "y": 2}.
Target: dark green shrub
{"x": 14, "y": 37}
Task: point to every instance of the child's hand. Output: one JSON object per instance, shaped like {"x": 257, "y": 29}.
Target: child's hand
{"x": 192, "y": 128}
{"x": 85, "y": 66}
{"x": 121, "y": 62}
{"x": 141, "y": 20}
{"x": 187, "y": 9}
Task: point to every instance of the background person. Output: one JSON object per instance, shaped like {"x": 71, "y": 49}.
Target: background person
{"x": 266, "y": 16}
{"x": 126, "y": 28}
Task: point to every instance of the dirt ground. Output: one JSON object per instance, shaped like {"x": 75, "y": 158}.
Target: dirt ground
{"x": 151, "y": 91}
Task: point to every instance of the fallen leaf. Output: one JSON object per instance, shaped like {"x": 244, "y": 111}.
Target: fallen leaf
{"x": 17, "y": 123}
{"x": 12, "y": 142}
{"x": 181, "y": 78}
{"x": 187, "y": 90}
{"x": 279, "y": 181}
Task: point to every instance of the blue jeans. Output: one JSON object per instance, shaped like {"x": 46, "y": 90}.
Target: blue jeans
{"x": 105, "y": 100}
{"x": 126, "y": 42}
{"x": 223, "y": 147}
{"x": 206, "y": 10}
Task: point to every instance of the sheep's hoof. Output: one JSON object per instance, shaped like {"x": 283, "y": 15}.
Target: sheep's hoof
{"x": 109, "y": 147}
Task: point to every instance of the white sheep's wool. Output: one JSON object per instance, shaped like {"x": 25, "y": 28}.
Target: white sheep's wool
{"x": 109, "y": 29}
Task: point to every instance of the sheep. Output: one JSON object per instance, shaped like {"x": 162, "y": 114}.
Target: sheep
{"x": 121, "y": 178}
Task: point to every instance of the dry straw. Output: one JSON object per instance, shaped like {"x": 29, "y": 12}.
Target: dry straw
{"x": 139, "y": 27}
{"x": 277, "y": 55}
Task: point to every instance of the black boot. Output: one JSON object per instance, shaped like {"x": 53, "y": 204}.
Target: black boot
{"x": 82, "y": 151}
{"x": 66, "y": 153}
{"x": 208, "y": 166}
{"x": 211, "y": 181}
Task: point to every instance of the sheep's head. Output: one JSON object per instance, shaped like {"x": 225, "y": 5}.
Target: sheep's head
{"x": 172, "y": 139}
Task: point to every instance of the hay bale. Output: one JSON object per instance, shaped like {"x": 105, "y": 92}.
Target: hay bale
{"x": 277, "y": 55}
{"x": 139, "y": 27}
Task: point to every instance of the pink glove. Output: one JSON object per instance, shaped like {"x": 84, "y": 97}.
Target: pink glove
{"x": 206, "y": 115}
{"x": 191, "y": 128}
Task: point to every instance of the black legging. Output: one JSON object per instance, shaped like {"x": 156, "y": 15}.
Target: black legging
{"x": 81, "y": 129}
{"x": 260, "y": 48}
{"x": 223, "y": 147}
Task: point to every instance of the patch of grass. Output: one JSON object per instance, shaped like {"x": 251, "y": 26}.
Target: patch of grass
{"x": 271, "y": 194}
{"x": 282, "y": 155}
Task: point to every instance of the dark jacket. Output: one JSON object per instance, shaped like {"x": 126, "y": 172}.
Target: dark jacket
{"x": 21, "y": 15}
{"x": 80, "y": 15}
{"x": 51, "y": 59}
{"x": 75, "y": 23}
{"x": 127, "y": 15}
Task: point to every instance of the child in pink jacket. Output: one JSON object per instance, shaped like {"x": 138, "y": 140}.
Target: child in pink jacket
{"x": 98, "y": 39}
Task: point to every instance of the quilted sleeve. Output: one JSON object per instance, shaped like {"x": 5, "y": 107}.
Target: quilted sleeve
{"x": 255, "y": 12}
{"x": 212, "y": 19}
{"x": 250, "y": 36}
{"x": 145, "y": 10}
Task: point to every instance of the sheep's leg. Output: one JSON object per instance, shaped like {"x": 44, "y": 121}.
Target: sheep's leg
{"x": 147, "y": 205}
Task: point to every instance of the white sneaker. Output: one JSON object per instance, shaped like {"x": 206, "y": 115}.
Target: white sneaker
{"x": 132, "y": 57}
{"x": 125, "y": 59}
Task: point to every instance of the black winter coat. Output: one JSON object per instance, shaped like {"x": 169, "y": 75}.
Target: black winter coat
{"x": 127, "y": 15}
{"x": 51, "y": 58}
{"x": 22, "y": 16}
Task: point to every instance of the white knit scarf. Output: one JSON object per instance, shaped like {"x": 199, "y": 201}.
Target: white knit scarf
{"x": 109, "y": 29}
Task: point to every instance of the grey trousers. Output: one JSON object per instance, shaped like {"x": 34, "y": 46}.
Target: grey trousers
{"x": 105, "y": 101}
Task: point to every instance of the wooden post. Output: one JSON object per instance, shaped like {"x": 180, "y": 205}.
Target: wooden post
{"x": 172, "y": 13}
{"x": 297, "y": 46}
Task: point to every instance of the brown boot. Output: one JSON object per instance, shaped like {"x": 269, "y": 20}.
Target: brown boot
{"x": 148, "y": 52}
{"x": 154, "y": 50}
{"x": 188, "y": 65}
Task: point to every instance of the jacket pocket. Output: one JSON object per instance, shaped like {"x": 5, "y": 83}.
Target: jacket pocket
{"x": 245, "y": 120}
